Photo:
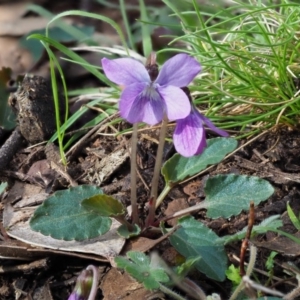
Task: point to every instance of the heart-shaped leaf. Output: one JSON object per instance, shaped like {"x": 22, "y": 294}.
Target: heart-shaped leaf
{"x": 62, "y": 216}
{"x": 228, "y": 195}
{"x": 104, "y": 205}
{"x": 177, "y": 168}
{"x": 194, "y": 239}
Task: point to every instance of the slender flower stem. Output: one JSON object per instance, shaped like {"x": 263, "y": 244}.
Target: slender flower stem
{"x": 124, "y": 222}
{"x": 201, "y": 205}
{"x": 162, "y": 195}
{"x": 169, "y": 292}
{"x": 252, "y": 260}
{"x": 241, "y": 286}
{"x": 156, "y": 173}
{"x": 134, "y": 214}
{"x": 159, "y": 156}
{"x": 93, "y": 292}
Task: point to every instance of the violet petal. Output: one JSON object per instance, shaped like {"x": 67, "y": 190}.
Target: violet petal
{"x": 178, "y": 71}
{"x": 210, "y": 125}
{"x": 127, "y": 102}
{"x": 153, "y": 110}
{"x": 125, "y": 71}
{"x": 177, "y": 103}
{"x": 141, "y": 103}
{"x": 189, "y": 135}
{"x": 72, "y": 297}
{"x": 75, "y": 296}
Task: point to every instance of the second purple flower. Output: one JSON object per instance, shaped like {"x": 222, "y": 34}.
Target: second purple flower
{"x": 147, "y": 100}
{"x": 189, "y": 135}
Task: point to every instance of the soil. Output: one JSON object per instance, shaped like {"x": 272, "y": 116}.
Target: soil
{"x": 30, "y": 272}
{"x": 50, "y": 275}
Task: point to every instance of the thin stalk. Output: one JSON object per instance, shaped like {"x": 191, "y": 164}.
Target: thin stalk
{"x": 162, "y": 195}
{"x": 156, "y": 173}
{"x": 57, "y": 104}
{"x": 158, "y": 162}
{"x": 252, "y": 260}
{"x": 124, "y": 222}
{"x": 146, "y": 35}
{"x": 202, "y": 205}
{"x": 126, "y": 24}
{"x": 169, "y": 292}
{"x": 133, "y": 166}
{"x": 94, "y": 288}
{"x": 241, "y": 286}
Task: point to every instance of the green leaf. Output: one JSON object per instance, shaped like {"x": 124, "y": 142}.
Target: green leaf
{"x": 269, "y": 224}
{"x": 3, "y": 186}
{"x": 140, "y": 269}
{"x": 61, "y": 216}
{"x": 104, "y": 205}
{"x": 293, "y": 218}
{"x": 66, "y": 51}
{"x": 186, "y": 266}
{"x": 56, "y": 33}
{"x": 94, "y": 16}
{"x": 146, "y": 34}
{"x": 177, "y": 168}
{"x": 194, "y": 239}
{"x": 228, "y": 195}
{"x": 125, "y": 233}
{"x": 233, "y": 274}
{"x": 270, "y": 260}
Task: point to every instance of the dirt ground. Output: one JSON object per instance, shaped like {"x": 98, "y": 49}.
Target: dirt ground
{"x": 48, "y": 273}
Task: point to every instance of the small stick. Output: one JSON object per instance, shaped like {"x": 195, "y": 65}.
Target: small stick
{"x": 64, "y": 174}
{"x": 245, "y": 242}
{"x": 28, "y": 267}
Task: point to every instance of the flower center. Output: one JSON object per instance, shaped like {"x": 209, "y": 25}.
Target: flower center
{"x": 150, "y": 92}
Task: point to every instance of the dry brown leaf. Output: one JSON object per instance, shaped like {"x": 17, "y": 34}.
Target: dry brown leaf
{"x": 13, "y": 11}
{"x": 282, "y": 245}
{"x": 14, "y": 57}
{"x": 116, "y": 285}
{"x": 141, "y": 244}
{"x": 173, "y": 207}
{"x": 22, "y": 26}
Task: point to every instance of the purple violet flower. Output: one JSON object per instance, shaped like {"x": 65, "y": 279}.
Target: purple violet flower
{"x": 75, "y": 296}
{"x": 189, "y": 135}
{"x": 147, "y": 100}
{"x": 83, "y": 285}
